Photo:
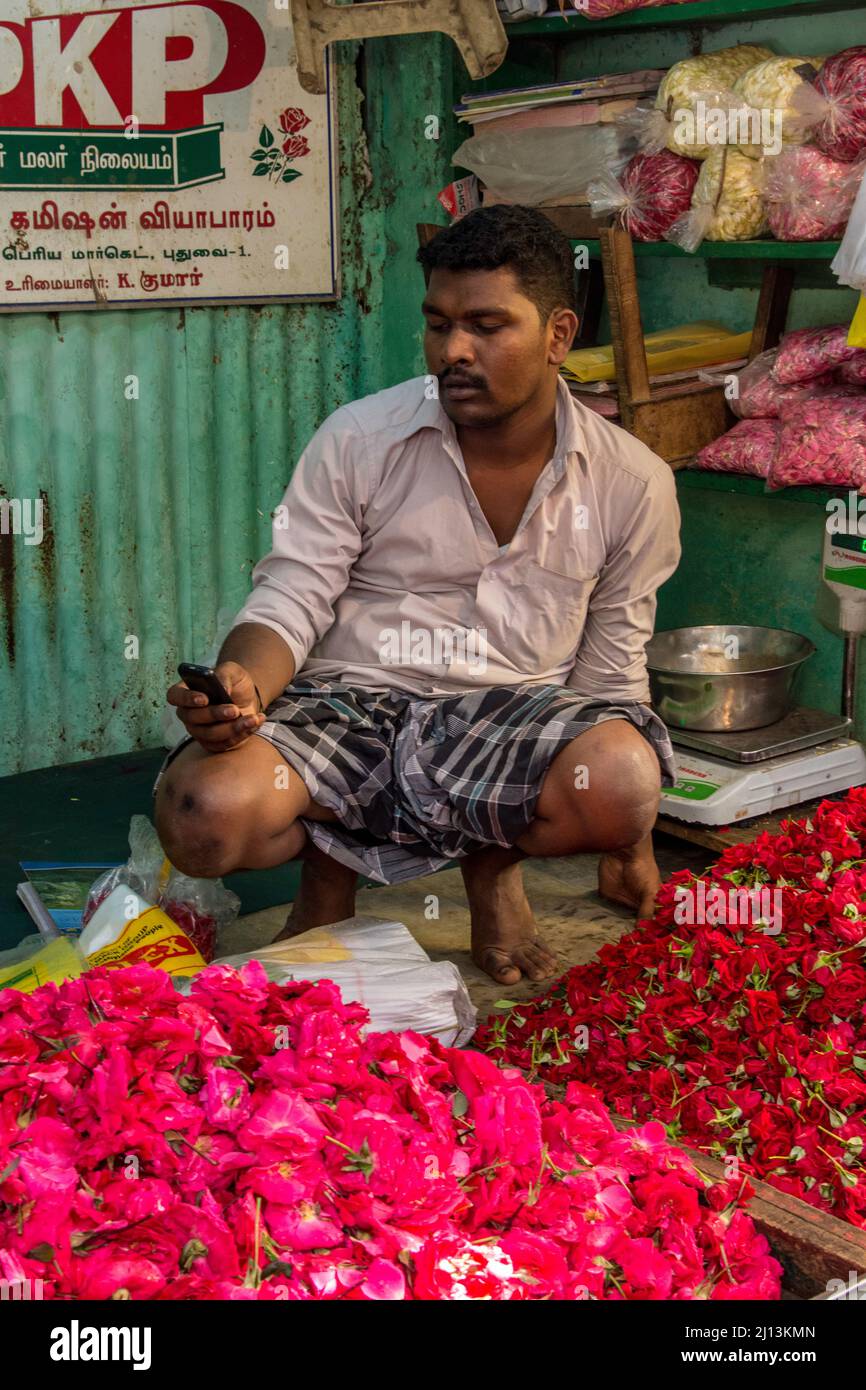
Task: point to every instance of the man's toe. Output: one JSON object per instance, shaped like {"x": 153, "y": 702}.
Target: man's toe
{"x": 536, "y": 961}
{"x": 497, "y": 964}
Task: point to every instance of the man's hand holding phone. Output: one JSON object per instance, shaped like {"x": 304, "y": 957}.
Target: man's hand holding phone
{"x": 220, "y": 707}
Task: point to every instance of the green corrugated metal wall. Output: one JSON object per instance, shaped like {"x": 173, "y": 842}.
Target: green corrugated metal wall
{"x": 157, "y": 508}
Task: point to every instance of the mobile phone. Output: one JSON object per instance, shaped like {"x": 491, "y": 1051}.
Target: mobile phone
{"x": 205, "y": 680}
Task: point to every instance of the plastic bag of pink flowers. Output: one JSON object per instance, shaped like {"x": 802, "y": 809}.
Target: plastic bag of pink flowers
{"x": 822, "y": 442}
{"x": 747, "y": 448}
{"x": 756, "y": 394}
{"x": 650, "y": 194}
{"x": 807, "y": 352}
{"x": 808, "y": 194}
{"x": 853, "y": 373}
{"x": 833, "y": 107}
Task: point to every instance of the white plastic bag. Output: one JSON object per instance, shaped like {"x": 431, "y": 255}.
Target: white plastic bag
{"x": 532, "y": 166}
{"x": 382, "y": 966}
{"x": 849, "y": 263}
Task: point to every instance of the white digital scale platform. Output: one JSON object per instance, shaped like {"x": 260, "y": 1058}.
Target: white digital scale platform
{"x": 724, "y": 778}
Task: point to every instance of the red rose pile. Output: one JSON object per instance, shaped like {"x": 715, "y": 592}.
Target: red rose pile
{"x": 247, "y": 1142}
{"x": 737, "y": 1015}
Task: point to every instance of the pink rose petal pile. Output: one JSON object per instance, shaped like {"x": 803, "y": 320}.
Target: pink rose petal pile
{"x": 247, "y": 1142}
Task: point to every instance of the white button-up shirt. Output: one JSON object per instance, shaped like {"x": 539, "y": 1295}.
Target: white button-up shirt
{"x": 385, "y": 573}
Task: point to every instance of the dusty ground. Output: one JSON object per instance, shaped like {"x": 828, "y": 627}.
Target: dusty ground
{"x": 570, "y": 915}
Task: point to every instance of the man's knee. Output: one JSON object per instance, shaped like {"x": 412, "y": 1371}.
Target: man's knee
{"x": 614, "y": 796}
{"x": 203, "y": 815}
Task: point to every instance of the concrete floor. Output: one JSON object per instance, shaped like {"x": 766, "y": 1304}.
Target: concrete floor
{"x": 571, "y": 916}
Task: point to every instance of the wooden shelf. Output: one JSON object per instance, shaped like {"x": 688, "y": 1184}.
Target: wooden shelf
{"x": 763, "y": 250}
{"x": 576, "y": 24}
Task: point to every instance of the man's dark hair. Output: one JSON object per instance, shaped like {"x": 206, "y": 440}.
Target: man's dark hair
{"x": 510, "y": 235}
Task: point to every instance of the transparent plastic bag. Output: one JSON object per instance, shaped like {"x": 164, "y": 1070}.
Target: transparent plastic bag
{"x": 757, "y": 395}
{"x": 849, "y": 263}
{"x": 536, "y": 165}
{"x": 727, "y": 204}
{"x": 809, "y": 195}
{"x": 746, "y": 448}
{"x": 853, "y": 373}
{"x": 651, "y": 193}
{"x": 704, "y": 78}
{"x": 822, "y": 442}
{"x": 809, "y": 352}
{"x": 769, "y": 89}
{"x": 832, "y": 109}
{"x": 602, "y": 9}
{"x": 201, "y": 907}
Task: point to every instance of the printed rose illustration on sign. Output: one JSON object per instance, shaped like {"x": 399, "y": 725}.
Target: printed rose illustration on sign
{"x": 273, "y": 161}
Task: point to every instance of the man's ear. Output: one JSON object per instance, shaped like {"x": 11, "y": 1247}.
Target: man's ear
{"x": 563, "y": 326}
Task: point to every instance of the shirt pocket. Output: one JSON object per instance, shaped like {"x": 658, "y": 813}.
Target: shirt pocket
{"x": 544, "y": 617}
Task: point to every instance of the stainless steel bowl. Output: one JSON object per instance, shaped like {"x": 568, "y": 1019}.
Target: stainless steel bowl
{"x": 724, "y": 678}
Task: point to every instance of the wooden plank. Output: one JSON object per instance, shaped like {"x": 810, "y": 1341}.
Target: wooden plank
{"x": 772, "y": 312}
{"x": 574, "y": 220}
{"x": 629, "y": 353}
{"x": 426, "y": 231}
{"x": 719, "y": 837}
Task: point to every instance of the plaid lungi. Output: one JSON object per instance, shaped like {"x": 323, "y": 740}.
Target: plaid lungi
{"x": 416, "y": 784}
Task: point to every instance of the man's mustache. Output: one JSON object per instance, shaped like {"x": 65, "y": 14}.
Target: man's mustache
{"x": 452, "y": 378}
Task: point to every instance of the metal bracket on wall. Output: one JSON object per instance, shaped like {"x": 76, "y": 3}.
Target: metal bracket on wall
{"x": 474, "y": 25}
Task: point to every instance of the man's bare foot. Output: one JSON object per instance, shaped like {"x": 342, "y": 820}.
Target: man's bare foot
{"x": 326, "y": 894}
{"x": 505, "y": 940}
{"x": 631, "y": 877}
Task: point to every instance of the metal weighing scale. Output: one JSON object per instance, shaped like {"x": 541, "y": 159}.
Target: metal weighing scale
{"x": 723, "y": 778}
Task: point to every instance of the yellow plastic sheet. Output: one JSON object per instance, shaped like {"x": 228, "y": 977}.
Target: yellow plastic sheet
{"x": 857, "y": 331}
{"x": 695, "y": 345}
{"x": 57, "y": 961}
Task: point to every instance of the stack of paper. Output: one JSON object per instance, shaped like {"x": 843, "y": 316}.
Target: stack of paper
{"x": 560, "y": 103}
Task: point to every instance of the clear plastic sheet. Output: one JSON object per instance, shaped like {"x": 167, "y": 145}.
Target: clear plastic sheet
{"x": 746, "y": 448}
{"x": 822, "y": 442}
{"x": 533, "y": 166}
{"x": 809, "y": 195}
{"x": 651, "y": 193}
